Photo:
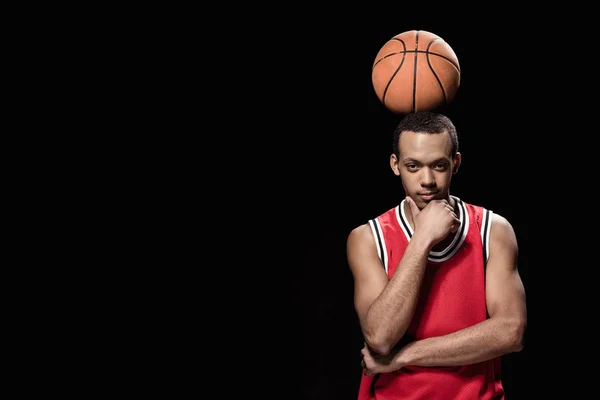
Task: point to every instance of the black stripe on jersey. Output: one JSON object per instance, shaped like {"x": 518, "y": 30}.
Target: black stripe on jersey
{"x": 378, "y": 239}
{"x": 461, "y": 216}
{"x": 405, "y": 222}
{"x": 486, "y": 238}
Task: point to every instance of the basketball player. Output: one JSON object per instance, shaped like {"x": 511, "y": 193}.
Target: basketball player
{"x": 437, "y": 289}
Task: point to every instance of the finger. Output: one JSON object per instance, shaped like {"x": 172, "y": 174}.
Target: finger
{"x": 414, "y": 210}
{"x": 455, "y": 225}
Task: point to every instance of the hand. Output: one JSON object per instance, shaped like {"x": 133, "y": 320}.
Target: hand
{"x": 374, "y": 363}
{"x": 436, "y": 220}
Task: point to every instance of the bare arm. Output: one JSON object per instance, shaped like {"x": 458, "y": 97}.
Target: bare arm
{"x": 500, "y": 334}
{"x": 385, "y": 308}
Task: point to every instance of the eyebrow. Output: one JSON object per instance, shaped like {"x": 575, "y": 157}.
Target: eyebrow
{"x": 412, "y": 160}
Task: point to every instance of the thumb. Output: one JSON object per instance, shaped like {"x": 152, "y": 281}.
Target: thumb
{"x": 414, "y": 210}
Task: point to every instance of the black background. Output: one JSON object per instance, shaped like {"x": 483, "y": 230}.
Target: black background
{"x": 312, "y": 154}
{"x": 305, "y": 158}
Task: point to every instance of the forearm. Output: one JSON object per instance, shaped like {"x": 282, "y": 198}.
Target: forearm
{"x": 486, "y": 340}
{"x": 390, "y": 314}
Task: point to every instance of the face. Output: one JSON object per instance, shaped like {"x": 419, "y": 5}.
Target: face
{"x": 425, "y": 166}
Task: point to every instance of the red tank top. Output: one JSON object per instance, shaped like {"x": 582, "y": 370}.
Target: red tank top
{"x": 452, "y": 297}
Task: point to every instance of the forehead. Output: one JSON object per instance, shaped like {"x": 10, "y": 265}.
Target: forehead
{"x": 424, "y": 146}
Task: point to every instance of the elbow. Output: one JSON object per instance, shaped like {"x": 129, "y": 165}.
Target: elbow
{"x": 516, "y": 336}
{"x": 382, "y": 349}
{"x": 379, "y": 345}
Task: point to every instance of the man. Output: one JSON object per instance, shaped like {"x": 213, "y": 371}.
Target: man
{"x": 437, "y": 289}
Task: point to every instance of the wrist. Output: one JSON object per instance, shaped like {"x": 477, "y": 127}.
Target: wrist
{"x": 403, "y": 357}
{"x": 421, "y": 243}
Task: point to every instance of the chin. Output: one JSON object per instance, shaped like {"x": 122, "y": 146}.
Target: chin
{"x": 423, "y": 203}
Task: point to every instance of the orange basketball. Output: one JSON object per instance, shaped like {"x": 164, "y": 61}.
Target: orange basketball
{"x": 415, "y": 71}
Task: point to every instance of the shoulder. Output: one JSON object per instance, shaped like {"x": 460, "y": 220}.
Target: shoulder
{"x": 502, "y": 232}
{"x": 360, "y": 234}
{"x": 361, "y": 242}
{"x": 500, "y": 221}
{"x": 364, "y": 232}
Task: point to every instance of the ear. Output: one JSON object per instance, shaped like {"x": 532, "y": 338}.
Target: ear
{"x": 456, "y": 163}
{"x": 394, "y": 164}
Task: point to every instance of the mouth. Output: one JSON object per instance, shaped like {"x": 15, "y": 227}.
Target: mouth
{"x": 427, "y": 195}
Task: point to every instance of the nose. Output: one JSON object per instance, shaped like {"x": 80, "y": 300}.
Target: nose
{"x": 427, "y": 177}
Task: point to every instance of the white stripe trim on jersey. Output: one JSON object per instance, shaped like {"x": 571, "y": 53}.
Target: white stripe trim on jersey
{"x": 405, "y": 227}
{"x": 486, "y": 226}
{"x": 375, "y": 237}
{"x": 379, "y": 242}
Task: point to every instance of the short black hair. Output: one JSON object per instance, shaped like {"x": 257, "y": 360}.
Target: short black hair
{"x": 426, "y": 122}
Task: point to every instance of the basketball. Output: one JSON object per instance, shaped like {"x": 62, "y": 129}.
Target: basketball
{"x": 415, "y": 71}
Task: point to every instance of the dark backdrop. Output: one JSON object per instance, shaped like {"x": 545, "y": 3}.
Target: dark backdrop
{"x": 346, "y": 178}
{"x": 309, "y": 155}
